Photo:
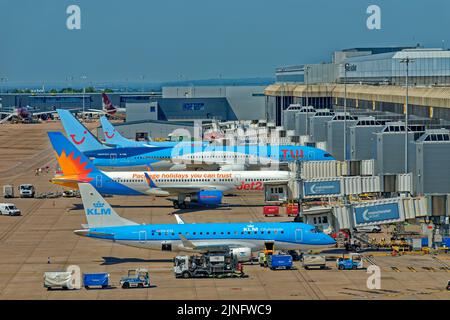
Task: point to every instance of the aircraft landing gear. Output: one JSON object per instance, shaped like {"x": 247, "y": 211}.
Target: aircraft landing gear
{"x": 179, "y": 205}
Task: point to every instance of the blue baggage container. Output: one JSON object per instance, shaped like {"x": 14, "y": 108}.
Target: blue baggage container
{"x": 96, "y": 279}
{"x": 280, "y": 261}
{"x": 445, "y": 241}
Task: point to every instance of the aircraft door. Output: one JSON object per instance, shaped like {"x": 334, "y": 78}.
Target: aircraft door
{"x": 237, "y": 180}
{"x": 269, "y": 247}
{"x": 142, "y": 236}
{"x": 298, "y": 235}
{"x": 113, "y": 158}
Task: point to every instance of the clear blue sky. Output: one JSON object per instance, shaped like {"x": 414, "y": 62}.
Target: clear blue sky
{"x": 199, "y": 39}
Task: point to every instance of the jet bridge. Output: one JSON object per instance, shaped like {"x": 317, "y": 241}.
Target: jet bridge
{"x": 276, "y": 192}
{"x": 357, "y": 214}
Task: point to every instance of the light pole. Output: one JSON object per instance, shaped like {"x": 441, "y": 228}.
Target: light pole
{"x": 84, "y": 88}
{"x": 3, "y": 80}
{"x": 346, "y": 66}
{"x": 307, "y": 99}
{"x": 281, "y": 104}
{"x": 69, "y": 83}
{"x": 407, "y": 61}
{"x": 142, "y": 78}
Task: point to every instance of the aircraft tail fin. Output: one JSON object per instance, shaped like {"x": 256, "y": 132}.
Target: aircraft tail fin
{"x": 98, "y": 212}
{"x": 107, "y": 105}
{"x": 112, "y": 136}
{"x": 73, "y": 163}
{"x": 79, "y": 135}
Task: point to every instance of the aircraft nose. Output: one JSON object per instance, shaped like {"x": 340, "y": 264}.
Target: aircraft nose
{"x": 328, "y": 240}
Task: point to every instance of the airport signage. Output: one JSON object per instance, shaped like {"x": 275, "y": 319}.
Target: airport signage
{"x": 322, "y": 188}
{"x": 351, "y": 67}
{"x": 377, "y": 213}
{"x": 196, "y": 106}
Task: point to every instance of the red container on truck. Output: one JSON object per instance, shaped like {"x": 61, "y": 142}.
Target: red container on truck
{"x": 271, "y": 211}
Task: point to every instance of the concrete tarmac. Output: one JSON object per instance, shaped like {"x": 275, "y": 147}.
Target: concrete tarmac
{"x": 44, "y": 233}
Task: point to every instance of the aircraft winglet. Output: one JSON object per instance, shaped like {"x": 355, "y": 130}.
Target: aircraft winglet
{"x": 179, "y": 219}
{"x": 150, "y": 182}
{"x": 186, "y": 243}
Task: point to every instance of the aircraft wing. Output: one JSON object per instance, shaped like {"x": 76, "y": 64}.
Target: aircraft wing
{"x": 187, "y": 189}
{"x": 7, "y": 118}
{"x": 43, "y": 112}
{"x": 204, "y": 246}
{"x": 276, "y": 182}
{"x": 68, "y": 179}
{"x": 180, "y": 188}
{"x": 95, "y": 111}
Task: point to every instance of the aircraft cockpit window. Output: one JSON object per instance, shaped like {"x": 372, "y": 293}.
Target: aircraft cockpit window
{"x": 315, "y": 230}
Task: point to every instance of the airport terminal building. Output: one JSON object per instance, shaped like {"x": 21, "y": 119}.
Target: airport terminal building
{"x": 370, "y": 78}
{"x": 155, "y": 115}
{"x": 173, "y": 104}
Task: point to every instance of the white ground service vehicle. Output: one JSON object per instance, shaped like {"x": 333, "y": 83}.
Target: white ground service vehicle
{"x": 58, "y": 279}
{"x": 27, "y": 190}
{"x": 9, "y": 209}
{"x": 314, "y": 261}
{"x": 368, "y": 229}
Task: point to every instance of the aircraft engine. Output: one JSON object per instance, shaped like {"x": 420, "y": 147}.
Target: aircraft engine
{"x": 242, "y": 254}
{"x": 178, "y": 167}
{"x": 207, "y": 197}
{"x": 233, "y": 167}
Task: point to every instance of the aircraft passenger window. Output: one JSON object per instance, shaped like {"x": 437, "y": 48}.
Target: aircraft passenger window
{"x": 221, "y": 232}
{"x": 228, "y": 232}
{"x": 256, "y": 232}
{"x": 214, "y": 232}
{"x": 276, "y": 231}
{"x": 268, "y": 232}
{"x": 207, "y": 233}
{"x": 159, "y": 233}
{"x": 242, "y": 232}
{"x": 201, "y": 233}
{"x": 193, "y": 233}
{"x": 153, "y": 233}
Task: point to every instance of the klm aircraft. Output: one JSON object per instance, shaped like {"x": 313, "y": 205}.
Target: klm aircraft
{"x": 241, "y": 238}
